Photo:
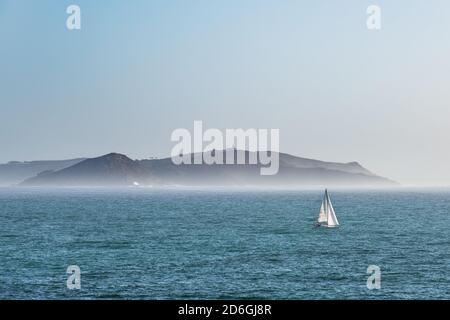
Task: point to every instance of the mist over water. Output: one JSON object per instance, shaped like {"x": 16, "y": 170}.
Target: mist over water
{"x": 161, "y": 243}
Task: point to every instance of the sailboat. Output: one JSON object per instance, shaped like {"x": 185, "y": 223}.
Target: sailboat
{"x": 327, "y": 216}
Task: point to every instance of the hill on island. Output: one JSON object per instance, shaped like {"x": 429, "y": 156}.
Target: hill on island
{"x": 118, "y": 170}
{"x": 15, "y": 172}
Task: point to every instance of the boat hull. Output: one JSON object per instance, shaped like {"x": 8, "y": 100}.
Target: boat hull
{"x": 326, "y": 226}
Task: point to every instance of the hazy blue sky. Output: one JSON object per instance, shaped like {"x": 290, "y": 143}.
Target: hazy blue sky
{"x": 139, "y": 69}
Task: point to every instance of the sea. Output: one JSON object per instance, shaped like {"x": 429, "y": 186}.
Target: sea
{"x": 223, "y": 243}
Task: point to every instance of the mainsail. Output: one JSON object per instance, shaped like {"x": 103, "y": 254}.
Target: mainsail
{"x": 327, "y": 216}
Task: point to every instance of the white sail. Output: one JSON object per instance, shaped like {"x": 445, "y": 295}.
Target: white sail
{"x": 322, "y": 213}
{"x": 327, "y": 216}
{"x": 331, "y": 215}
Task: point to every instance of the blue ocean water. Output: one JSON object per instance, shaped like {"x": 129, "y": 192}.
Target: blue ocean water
{"x": 147, "y": 243}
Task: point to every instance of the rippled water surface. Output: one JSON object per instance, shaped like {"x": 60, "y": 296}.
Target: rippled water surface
{"x": 144, "y": 243}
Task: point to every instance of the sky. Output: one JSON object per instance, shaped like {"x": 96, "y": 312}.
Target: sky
{"x": 137, "y": 70}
